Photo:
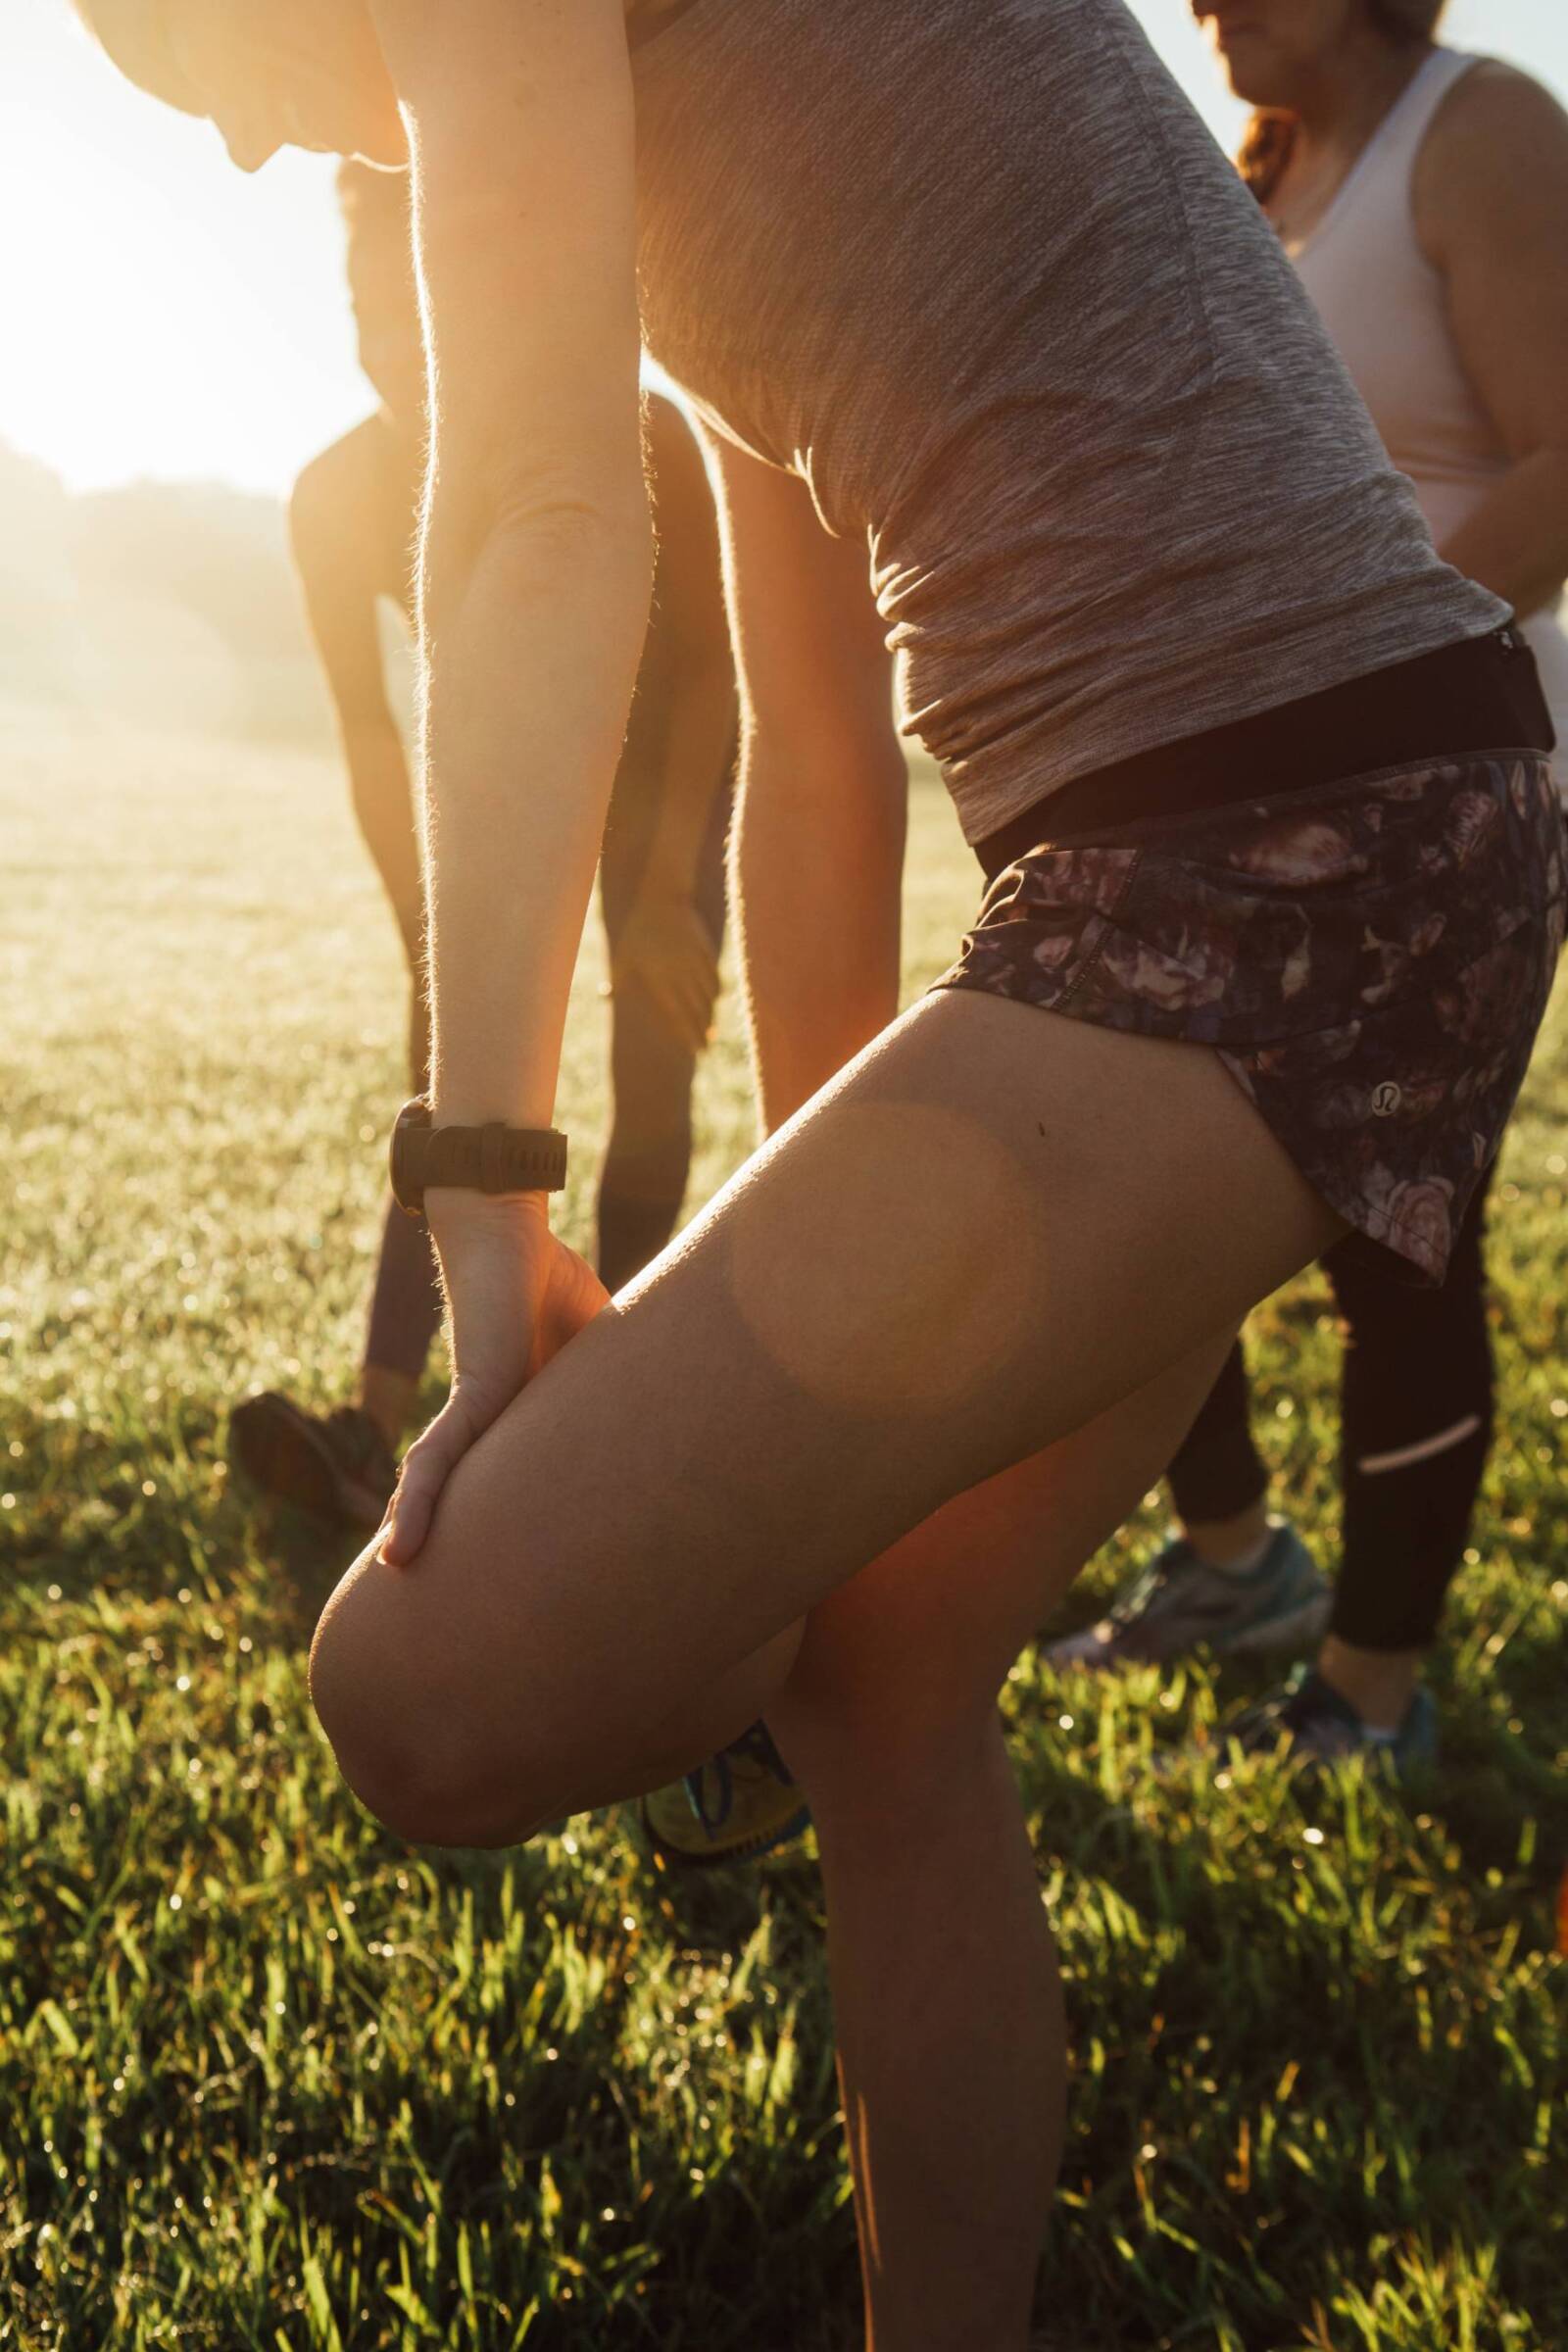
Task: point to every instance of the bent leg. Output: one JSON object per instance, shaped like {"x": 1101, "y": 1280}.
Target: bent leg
{"x": 1217, "y": 1481}
{"x": 961, "y": 1250}
{"x": 938, "y": 1943}
{"x": 1418, "y": 1398}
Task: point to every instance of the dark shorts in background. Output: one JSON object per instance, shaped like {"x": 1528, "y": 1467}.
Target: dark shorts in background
{"x": 1371, "y": 960}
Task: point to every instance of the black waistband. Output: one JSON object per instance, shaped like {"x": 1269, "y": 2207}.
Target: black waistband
{"x": 1479, "y": 695}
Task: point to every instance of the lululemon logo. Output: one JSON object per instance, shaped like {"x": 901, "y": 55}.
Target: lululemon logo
{"x": 1386, "y": 1098}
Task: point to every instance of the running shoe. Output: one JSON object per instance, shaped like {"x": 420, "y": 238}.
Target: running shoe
{"x": 1311, "y": 1727}
{"x": 337, "y": 1466}
{"x": 1178, "y": 1604}
{"x": 740, "y": 1805}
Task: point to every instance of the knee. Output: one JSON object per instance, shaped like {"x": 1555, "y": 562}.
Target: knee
{"x": 410, "y": 1741}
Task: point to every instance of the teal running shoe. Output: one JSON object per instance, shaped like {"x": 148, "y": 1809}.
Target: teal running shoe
{"x": 1311, "y": 1727}
{"x": 1178, "y": 1604}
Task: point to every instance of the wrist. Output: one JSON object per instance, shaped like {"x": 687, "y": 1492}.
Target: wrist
{"x": 489, "y": 1160}
{"x": 453, "y": 1208}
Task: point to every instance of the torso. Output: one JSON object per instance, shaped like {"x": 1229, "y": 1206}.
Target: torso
{"x": 1385, "y": 307}
{"x": 975, "y": 271}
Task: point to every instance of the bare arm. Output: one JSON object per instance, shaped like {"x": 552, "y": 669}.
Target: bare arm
{"x": 693, "y": 751}
{"x": 1492, "y": 211}
{"x": 819, "y": 851}
{"x": 680, "y": 751}
{"x": 536, "y": 553}
{"x": 336, "y": 551}
{"x": 534, "y": 584}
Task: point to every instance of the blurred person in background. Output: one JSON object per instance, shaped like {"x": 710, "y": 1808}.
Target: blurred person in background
{"x": 354, "y": 519}
{"x": 1423, "y": 196}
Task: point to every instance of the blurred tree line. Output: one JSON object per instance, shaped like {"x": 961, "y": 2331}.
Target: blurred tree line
{"x": 169, "y": 603}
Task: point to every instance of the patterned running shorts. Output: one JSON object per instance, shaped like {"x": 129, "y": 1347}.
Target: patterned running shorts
{"x": 1370, "y": 961}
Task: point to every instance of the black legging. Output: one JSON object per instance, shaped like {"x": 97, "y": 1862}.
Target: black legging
{"x": 1415, "y": 1430}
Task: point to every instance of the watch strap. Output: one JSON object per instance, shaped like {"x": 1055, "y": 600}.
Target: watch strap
{"x": 492, "y": 1158}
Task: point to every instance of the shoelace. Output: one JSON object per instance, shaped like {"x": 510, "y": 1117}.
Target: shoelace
{"x": 757, "y": 1746}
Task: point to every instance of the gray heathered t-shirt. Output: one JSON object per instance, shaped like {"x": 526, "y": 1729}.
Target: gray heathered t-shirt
{"x": 978, "y": 274}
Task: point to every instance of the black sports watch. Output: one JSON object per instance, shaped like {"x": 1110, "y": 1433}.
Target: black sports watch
{"x": 476, "y": 1160}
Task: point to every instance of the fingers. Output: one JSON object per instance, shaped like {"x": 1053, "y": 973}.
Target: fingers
{"x": 426, "y": 1467}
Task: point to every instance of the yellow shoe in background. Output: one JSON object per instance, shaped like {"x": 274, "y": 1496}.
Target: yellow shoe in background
{"x": 740, "y": 1805}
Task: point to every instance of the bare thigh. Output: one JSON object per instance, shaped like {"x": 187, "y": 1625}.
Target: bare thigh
{"x": 991, "y": 1228}
{"x": 907, "y": 1655}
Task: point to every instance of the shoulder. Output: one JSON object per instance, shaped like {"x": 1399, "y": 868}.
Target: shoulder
{"x": 1493, "y": 164}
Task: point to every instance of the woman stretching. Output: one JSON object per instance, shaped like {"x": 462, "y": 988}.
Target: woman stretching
{"x": 1278, "y": 891}
{"x": 1423, "y": 197}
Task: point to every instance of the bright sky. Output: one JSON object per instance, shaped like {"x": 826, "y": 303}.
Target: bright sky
{"x": 166, "y": 316}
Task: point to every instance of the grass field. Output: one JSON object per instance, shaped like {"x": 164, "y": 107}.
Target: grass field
{"x": 268, "y": 2079}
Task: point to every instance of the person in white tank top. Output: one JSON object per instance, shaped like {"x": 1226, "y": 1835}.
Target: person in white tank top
{"x": 1423, "y": 196}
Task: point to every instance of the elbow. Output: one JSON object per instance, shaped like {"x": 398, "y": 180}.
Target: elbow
{"x": 550, "y": 521}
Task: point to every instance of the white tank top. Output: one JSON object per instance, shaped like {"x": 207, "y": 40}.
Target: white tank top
{"x": 1385, "y": 306}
